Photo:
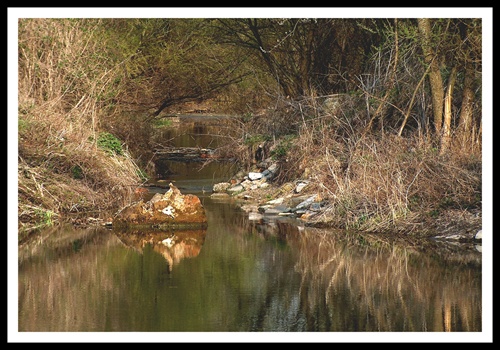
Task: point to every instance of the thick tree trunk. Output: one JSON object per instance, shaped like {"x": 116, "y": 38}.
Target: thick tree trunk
{"x": 435, "y": 79}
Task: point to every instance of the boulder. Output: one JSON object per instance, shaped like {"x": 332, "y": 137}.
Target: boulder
{"x": 171, "y": 210}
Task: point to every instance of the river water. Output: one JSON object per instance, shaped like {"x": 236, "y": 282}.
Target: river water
{"x": 244, "y": 276}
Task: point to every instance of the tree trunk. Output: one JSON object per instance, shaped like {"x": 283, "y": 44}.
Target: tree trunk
{"x": 435, "y": 79}
{"x": 465, "y": 121}
{"x": 306, "y": 61}
{"x": 446, "y": 131}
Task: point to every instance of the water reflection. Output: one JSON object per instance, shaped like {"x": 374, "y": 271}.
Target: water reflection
{"x": 240, "y": 275}
{"x": 356, "y": 282}
{"x": 172, "y": 245}
{"x": 265, "y": 277}
{"x": 373, "y": 283}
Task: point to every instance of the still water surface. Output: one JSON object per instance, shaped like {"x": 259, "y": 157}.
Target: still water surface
{"x": 240, "y": 275}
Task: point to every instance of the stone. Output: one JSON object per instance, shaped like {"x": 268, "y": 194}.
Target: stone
{"x": 300, "y": 186}
{"x": 307, "y": 203}
{"x": 273, "y": 168}
{"x": 171, "y": 210}
{"x": 315, "y": 207}
{"x": 277, "y": 201}
{"x": 246, "y": 184}
{"x": 255, "y": 176}
{"x": 266, "y": 173}
{"x": 277, "y": 210}
{"x": 479, "y": 235}
{"x": 236, "y": 189}
{"x": 221, "y": 187}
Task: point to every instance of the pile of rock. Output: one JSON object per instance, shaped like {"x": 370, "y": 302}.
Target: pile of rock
{"x": 249, "y": 182}
{"x": 290, "y": 203}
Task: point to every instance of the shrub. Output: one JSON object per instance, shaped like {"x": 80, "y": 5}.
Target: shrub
{"x": 110, "y": 143}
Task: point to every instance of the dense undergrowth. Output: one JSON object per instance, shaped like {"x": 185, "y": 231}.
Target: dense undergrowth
{"x": 373, "y": 181}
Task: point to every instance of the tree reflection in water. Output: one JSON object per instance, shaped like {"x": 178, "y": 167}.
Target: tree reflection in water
{"x": 243, "y": 276}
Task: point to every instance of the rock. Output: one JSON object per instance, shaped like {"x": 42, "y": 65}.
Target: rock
{"x": 269, "y": 173}
{"x": 246, "y": 184}
{"x": 263, "y": 208}
{"x": 255, "y": 176}
{"x": 277, "y": 210}
{"x": 236, "y": 189}
{"x": 300, "y": 186}
{"x": 277, "y": 201}
{"x": 272, "y": 211}
{"x": 315, "y": 207}
{"x": 307, "y": 203}
{"x": 221, "y": 187}
{"x": 273, "y": 168}
{"x": 172, "y": 210}
{"x": 479, "y": 235}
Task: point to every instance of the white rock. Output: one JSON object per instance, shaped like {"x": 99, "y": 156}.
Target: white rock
{"x": 300, "y": 186}
{"x": 254, "y": 176}
{"x": 479, "y": 235}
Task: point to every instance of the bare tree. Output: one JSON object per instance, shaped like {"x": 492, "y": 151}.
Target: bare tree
{"x": 436, "y": 82}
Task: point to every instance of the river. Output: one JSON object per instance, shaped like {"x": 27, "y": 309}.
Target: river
{"x": 247, "y": 278}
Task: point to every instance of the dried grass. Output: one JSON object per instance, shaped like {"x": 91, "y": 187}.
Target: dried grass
{"x": 375, "y": 181}
{"x": 62, "y": 78}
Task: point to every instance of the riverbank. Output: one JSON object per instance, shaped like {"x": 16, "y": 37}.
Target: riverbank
{"x": 421, "y": 196}
{"x": 305, "y": 200}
